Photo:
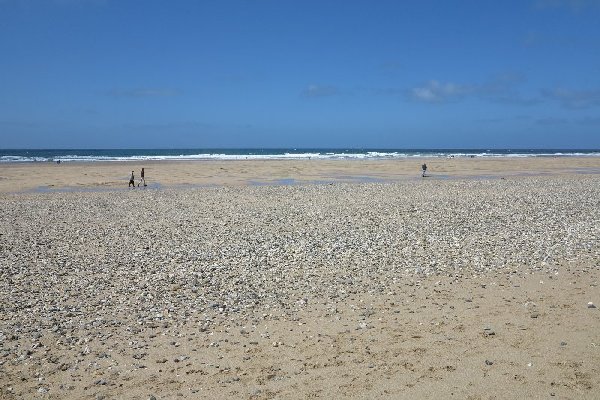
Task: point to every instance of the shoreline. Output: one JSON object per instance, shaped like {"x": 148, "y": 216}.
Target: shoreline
{"x": 274, "y": 154}
{"x": 403, "y": 158}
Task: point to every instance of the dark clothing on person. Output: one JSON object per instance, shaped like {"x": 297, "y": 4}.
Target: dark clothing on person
{"x": 424, "y": 167}
{"x": 142, "y": 179}
{"x": 132, "y": 180}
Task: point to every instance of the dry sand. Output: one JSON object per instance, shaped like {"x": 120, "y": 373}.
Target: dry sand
{"x": 412, "y": 288}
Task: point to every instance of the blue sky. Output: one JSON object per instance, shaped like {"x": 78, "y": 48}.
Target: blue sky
{"x": 277, "y": 73}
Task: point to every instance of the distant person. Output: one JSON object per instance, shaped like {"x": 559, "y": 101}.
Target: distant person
{"x": 142, "y": 179}
{"x": 424, "y": 168}
{"x": 132, "y": 180}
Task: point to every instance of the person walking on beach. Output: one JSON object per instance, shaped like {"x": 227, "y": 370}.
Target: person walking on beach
{"x": 142, "y": 179}
{"x": 132, "y": 180}
{"x": 424, "y": 168}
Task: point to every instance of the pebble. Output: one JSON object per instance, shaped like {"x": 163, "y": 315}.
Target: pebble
{"x": 220, "y": 253}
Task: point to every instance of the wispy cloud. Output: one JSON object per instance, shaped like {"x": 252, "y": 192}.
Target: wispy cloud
{"x": 501, "y": 88}
{"x": 144, "y": 92}
{"x": 575, "y": 99}
{"x": 314, "y": 90}
{"x": 438, "y": 92}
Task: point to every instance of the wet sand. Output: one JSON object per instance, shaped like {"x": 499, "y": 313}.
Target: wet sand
{"x": 18, "y": 177}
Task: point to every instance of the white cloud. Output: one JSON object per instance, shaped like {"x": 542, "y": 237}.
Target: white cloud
{"x": 500, "y": 89}
{"x": 436, "y": 92}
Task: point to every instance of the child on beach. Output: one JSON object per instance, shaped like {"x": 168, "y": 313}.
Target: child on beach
{"x": 424, "y": 167}
{"x": 132, "y": 180}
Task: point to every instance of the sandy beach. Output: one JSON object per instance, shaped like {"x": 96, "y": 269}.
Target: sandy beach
{"x": 48, "y": 176}
{"x": 301, "y": 279}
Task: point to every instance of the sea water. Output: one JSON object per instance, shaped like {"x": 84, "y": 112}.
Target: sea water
{"x": 91, "y": 155}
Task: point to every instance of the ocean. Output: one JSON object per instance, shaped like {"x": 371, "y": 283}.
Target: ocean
{"x": 92, "y": 155}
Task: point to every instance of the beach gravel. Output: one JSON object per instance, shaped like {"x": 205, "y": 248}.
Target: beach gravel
{"x": 91, "y": 282}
